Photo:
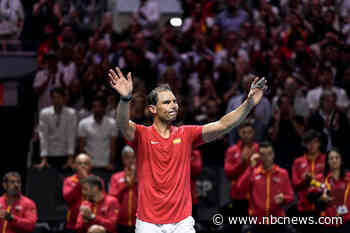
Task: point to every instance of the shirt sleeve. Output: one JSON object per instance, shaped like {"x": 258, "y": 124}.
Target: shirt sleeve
{"x": 43, "y": 134}
{"x": 71, "y": 132}
{"x": 40, "y": 78}
{"x": 113, "y": 128}
{"x": 234, "y": 166}
{"x": 196, "y": 135}
{"x": 71, "y": 190}
{"x": 82, "y": 129}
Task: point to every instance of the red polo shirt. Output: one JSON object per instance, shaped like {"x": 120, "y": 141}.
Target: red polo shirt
{"x": 164, "y": 172}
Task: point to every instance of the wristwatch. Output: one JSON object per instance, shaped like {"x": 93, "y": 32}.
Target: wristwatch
{"x": 126, "y": 98}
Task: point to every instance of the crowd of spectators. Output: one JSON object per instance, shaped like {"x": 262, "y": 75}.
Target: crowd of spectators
{"x": 300, "y": 46}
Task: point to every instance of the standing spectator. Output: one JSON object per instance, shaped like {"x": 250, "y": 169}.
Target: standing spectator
{"x": 330, "y": 123}
{"x": 285, "y": 131}
{"x": 97, "y": 137}
{"x": 233, "y": 17}
{"x": 333, "y": 199}
{"x": 99, "y": 208}
{"x": 262, "y": 112}
{"x": 47, "y": 79}
{"x": 326, "y": 83}
{"x": 269, "y": 188}
{"x": 57, "y": 133}
{"x": 11, "y": 19}
{"x": 123, "y": 186}
{"x": 72, "y": 192}
{"x": 148, "y": 15}
{"x": 237, "y": 162}
{"x": 306, "y": 168}
{"x": 17, "y": 212}
{"x": 196, "y": 168}
{"x": 67, "y": 66}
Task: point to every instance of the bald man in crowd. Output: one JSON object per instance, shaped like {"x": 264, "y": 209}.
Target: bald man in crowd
{"x": 72, "y": 192}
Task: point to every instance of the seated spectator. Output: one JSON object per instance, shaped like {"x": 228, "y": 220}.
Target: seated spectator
{"x": 99, "y": 208}
{"x": 96, "y": 229}
{"x": 72, "y": 192}
{"x": 11, "y": 19}
{"x": 123, "y": 186}
{"x": 17, "y": 212}
{"x": 57, "y": 133}
{"x": 269, "y": 188}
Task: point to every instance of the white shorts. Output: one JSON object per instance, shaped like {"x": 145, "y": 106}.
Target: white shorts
{"x": 184, "y": 226}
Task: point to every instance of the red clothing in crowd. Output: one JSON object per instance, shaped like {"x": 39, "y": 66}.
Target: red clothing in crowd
{"x": 301, "y": 166}
{"x": 262, "y": 187}
{"x": 164, "y": 172}
{"x": 73, "y": 196}
{"x": 127, "y": 196}
{"x": 235, "y": 167}
{"x": 196, "y": 168}
{"x": 339, "y": 192}
{"x": 106, "y": 212}
{"x": 24, "y": 214}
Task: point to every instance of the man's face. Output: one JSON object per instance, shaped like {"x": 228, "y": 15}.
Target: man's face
{"x": 313, "y": 146}
{"x": 129, "y": 159}
{"x": 246, "y": 134}
{"x": 57, "y": 99}
{"x": 83, "y": 163}
{"x": 267, "y": 156}
{"x": 90, "y": 192}
{"x": 12, "y": 186}
{"x": 167, "y": 107}
{"x": 98, "y": 108}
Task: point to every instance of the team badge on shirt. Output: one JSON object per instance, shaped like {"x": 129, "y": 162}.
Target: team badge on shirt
{"x": 177, "y": 141}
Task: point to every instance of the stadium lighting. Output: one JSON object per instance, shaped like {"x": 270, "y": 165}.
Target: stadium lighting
{"x": 176, "y": 22}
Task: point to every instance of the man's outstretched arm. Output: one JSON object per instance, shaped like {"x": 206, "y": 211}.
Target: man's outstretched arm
{"x": 214, "y": 130}
{"x": 124, "y": 87}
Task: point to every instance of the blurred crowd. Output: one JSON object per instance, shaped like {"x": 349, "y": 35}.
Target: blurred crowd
{"x": 300, "y": 46}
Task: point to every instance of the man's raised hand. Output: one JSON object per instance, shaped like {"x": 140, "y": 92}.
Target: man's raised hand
{"x": 119, "y": 83}
{"x": 257, "y": 89}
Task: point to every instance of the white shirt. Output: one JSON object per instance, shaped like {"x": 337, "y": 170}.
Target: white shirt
{"x": 40, "y": 78}
{"x": 313, "y": 97}
{"x": 97, "y": 138}
{"x": 69, "y": 71}
{"x": 57, "y": 132}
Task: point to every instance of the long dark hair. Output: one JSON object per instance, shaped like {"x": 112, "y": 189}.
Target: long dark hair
{"x": 342, "y": 165}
